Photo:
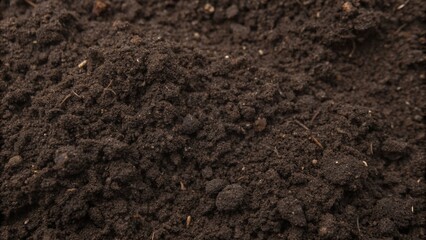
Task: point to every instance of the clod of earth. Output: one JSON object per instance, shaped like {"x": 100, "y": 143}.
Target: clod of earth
{"x": 215, "y": 186}
{"x": 290, "y": 209}
{"x": 190, "y": 124}
{"x": 230, "y": 198}
{"x": 394, "y": 149}
{"x": 13, "y": 162}
{"x": 260, "y": 124}
{"x": 99, "y": 6}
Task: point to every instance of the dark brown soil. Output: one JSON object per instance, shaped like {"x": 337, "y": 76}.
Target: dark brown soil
{"x": 245, "y": 119}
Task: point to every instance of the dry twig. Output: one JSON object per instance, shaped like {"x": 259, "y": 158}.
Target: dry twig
{"x": 317, "y": 142}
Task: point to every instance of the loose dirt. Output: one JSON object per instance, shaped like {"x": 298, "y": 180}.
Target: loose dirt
{"x": 221, "y": 119}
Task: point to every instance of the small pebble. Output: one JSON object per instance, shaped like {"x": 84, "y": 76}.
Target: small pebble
{"x": 208, "y": 8}
{"x": 347, "y": 7}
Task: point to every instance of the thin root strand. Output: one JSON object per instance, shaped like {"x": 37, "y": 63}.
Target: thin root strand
{"x": 76, "y": 94}
{"x": 65, "y": 99}
{"x": 301, "y": 124}
{"x": 109, "y": 89}
{"x": 31, "y": 3}
{"x": 315, "y": 116}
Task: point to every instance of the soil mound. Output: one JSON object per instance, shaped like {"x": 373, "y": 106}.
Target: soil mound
{"x": 212, "y": 120}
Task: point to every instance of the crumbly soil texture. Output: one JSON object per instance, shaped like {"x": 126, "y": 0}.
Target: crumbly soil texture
{"x": 219, "y": 119}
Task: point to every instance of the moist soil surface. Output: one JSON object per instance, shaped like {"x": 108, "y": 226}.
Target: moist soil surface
{"x": 256, "y": 119}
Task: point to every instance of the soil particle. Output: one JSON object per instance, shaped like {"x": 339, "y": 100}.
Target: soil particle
{"x": 347, "y": 7}
{"x": 344, "y": 170}
{"x": 14, "y": 161}
{"x": 190, "y": 124}
{"x": 68, "y": 161}
{"x": 122, "y": 172}
{"x": 99, "y": 6}
{"x": 215, "y": 186}
{"x": 394, "y": 149}
{"x": 260, "y": 124}
{"x": 208, "y": 8}
{"x": 176, "y": 159}
{"x": 386, "y": 227}
{"x": 61, "y": 159}
{"x": 207, "y": 172}
{"x": 232, "y": 11}
{"x": 230, "y": 198}
{"x": 327, "y": 226}
{"x": 290, "y": 209}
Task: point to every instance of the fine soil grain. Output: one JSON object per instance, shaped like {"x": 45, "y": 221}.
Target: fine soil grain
{"x": 219, "y": 119}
